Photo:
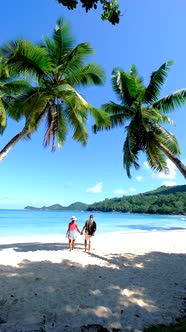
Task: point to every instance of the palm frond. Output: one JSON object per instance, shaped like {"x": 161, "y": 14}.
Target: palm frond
{"x": 118, "y": 115}
{"x": 29, "y": 59}
{"x": 156, "y": 81}
{"x": 171, "y": 102}
{"x": 118, "y": 109}
{"x": 8, "y": 49}
{"x": 91, "y": 74}
{"x": 124, "y": 86}
{"x": 167, "y": 139}
{"x": 101, "y": 117}
{"x": 74, "y": 60}
{"x": 71, "y": 97}
{"x": 153, "y": 115}
{"x": 29, "y": 104}
{"x": 155, "y": 158}
{"x": 80, "y": 133}
{"x": 114, "y": 122}
{"x": 77, "y": 121}
{"x": 63, "y": 38}
{"x": 139, "y": 79}
{"x": 2, "y": 117}
{"x": 62, "y": 127}
{"x": 130, "y": 158}
{"x": 15, "y": 87}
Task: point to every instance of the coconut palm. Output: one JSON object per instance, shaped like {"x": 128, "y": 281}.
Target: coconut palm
{"x": 143, "y": 114}
{"x": 10, "y": 87}
{"x": 56, "y": 69}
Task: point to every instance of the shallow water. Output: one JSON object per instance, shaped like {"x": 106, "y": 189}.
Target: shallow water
{"x": 29, "y": 223}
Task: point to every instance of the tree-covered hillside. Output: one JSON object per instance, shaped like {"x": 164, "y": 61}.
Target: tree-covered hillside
{"x": 77, "y": 206}
{"x": 163, "y": 200}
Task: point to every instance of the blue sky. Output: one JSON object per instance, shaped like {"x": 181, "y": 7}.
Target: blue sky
{"x": 149, "y": 34}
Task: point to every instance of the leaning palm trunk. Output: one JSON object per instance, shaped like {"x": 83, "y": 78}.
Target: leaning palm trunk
{"x": 175, "y": 160}
{"x": 22, "y": 134}
{"x": 13, "y": 141}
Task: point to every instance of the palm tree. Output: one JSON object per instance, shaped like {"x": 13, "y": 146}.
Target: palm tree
{"x": 10, "y": 87}
{"x": 143, "y": 114}
{"x": 55, "y": 68}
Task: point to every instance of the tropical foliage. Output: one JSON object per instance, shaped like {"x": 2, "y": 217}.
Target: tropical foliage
{"x": 10, "y": 87}
{"x": 143, "y": 116}
{"x": 165, "y": 200}
{"x": 110, "y": 9}
{"x": 77, "y": 206}
{"x": 56, "y": 69}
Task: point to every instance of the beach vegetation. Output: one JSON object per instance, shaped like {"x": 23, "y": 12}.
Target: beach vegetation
{"x": 143, "y": 115}
{"x": 164, "y": 200}
{"x": 77, "y": 206}
{"x": 110, "y": 9}
{"x": 56, "y": 68}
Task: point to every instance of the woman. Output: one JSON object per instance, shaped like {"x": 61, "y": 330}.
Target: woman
{"x": 71, "y": 233}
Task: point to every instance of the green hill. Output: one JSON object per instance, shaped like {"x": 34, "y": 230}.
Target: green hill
{"x": 163, "y": 200}
{"x": 163, "y": 190}
{"x": 77, "y": 206}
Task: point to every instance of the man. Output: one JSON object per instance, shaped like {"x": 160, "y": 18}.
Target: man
{"x": 90, "y": 228}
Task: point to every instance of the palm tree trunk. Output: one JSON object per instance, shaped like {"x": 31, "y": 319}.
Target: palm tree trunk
{"x": 13, "y": 141}
{"x": 181, "y": 167}
{"x": 23, "y": 133}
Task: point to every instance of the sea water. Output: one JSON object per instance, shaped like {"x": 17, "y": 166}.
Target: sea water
{"x": 30, "y": 223}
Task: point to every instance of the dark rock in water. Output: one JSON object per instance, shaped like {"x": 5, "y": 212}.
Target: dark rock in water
{"x": 2, "y": 321}
{"x": 83, "y": 328}
{"x": 93, "y": 328}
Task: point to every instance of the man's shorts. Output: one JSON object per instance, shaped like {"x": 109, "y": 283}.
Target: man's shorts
{"x": 87, "y": 237}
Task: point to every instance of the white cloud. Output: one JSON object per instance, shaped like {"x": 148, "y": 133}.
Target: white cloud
{"x": 169, "y": 183}
{"x": 146, "y": 165}
{"x": 139, "y": 178}
{"x": 96, "y": 189}
{"x": 172, "y": 172}
{"x": 132, "y": 190}
{"x": 120, "y": 192}
{"x": 124, "y": 192}
{"x": 170, "y": 176}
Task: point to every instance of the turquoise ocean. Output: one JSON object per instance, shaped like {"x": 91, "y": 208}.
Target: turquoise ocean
{"x": 31, "y": 223}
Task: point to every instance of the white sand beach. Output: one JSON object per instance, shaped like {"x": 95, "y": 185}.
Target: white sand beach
{"x": 129, "y": 281}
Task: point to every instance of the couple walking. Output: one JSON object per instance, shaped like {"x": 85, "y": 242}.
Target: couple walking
{"x": 89, "y": 227}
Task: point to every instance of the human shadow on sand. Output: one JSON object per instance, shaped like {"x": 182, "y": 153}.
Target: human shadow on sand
{"x": 35, "y": 246}
{"x": 124, "y": 292}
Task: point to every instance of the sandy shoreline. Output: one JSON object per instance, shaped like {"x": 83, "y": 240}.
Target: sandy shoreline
{"x": 129, "y": 281}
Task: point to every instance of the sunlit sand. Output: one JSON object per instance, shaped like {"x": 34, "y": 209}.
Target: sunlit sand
{"x": 129, "y": 281}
